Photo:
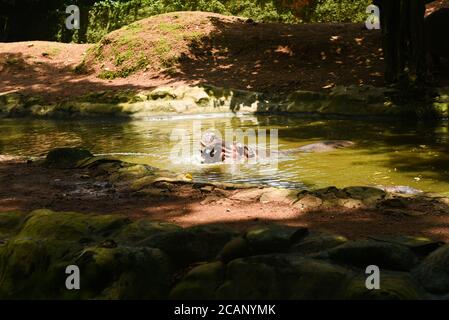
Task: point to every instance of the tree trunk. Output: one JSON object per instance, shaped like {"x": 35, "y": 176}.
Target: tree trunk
{"x": 402, "y": 23}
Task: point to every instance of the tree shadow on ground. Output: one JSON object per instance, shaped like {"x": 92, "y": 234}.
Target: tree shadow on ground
{"x": 23, "y": 73}
{"x": 279, "y": 58}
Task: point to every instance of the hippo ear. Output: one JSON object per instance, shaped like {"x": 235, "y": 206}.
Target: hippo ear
{"x": 246, "y": 152}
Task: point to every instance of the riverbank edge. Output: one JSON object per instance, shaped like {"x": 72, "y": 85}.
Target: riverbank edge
{"x": 145, "y": 259}
{"x": 340, "y": 101}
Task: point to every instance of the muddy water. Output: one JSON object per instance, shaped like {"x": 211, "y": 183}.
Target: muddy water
{"x": 387, "y": 153}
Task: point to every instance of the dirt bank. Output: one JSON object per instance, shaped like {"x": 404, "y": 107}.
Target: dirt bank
{"x": 206, "y": 49}
{"x": 25, "y": 187}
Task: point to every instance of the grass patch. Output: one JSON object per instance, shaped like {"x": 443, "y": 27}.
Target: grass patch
{"x": 170, "y": 27}
{"x": 141, "y": 63}
{"x": 162, "y": 47}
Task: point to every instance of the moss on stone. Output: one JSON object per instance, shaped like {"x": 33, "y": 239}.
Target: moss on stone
{"x": 200, "y": 283}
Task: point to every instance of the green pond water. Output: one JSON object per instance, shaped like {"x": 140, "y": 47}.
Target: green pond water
{"x": 387, "y": 153}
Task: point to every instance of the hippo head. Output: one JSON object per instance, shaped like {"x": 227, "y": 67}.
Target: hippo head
{"x": 211, "y": 148}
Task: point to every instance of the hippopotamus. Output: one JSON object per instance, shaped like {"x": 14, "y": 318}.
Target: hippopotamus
{"x": 325, "y": 146}
{"x": 215, "y": 150}
{"x": 436, "y": 36}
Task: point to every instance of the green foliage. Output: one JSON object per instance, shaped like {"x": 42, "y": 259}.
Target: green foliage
{"x": 337, "y": 11}
{"x": 107, "y": 15}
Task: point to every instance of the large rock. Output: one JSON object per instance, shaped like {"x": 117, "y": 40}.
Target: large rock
{"x": 368, "y": 195}
{"x": 279, "y": 195}
{"x": 66, "y": 158}
{"x": 385, "y": 255}
{"x": 274, "y": 238}
{"x": 10, "y": 223}
{"x": 433, "y": 272}
{"x": 253, "y": 278}
{"x": 200, "y": 283}
{"x": 124, "y": 273}
{"x": 419, "y": 245}
{"x": 309, "y": 202}
{"x": 46, "y": 224}
{"x": 236, "y": 248}
{"x": 318, "y": 242}
{"x": 280, "y": 276}
{"x": 23, "y": 267}
{"x": 393, "y": 286}
{"x": 142, "y": 229}
{"x": 196, "y": 244}
{"x": 315, "y": 279}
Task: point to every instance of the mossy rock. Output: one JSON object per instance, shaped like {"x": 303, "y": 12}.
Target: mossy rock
{"x": 163, "y": 93}
{"x": 317, "y": 242}
{"x": 26, "y": 270}
{"x": 433, "y": 272}
{"x": 124, "y": 273}
{"x": 393, "y": 286}
{"x": 195, "y": 244}
{"x": 419, "y": 245}
{"x": 236, "y": 248}
{"x": 274, "y": 238}
{"x": 282, "y": 276}
{"x": 46, "y": 224}
{"x": 142, "y": 229}
{"x": 368, "y": 195}
{"x": 66, "y": 158}
{"x": 253, "y": 278}
{"x": 200, "y": 283}
{"x": 314, "y": 279}
{"x": 10, "y": 222}
{"x": 363, "y": 253}
{"x": 94, "y": 162}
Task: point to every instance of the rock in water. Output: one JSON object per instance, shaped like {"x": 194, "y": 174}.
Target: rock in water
{"x": 66, "y": 158}
{"x": 400, "y": 189}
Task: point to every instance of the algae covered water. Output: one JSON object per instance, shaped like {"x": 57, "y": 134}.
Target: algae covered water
{"x": 386, "y": 153}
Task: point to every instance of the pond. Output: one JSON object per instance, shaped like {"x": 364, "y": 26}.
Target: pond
{"x": 386, "y": 153}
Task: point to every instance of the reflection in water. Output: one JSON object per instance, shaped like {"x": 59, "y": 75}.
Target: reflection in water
{"x": 386, "y": 153}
